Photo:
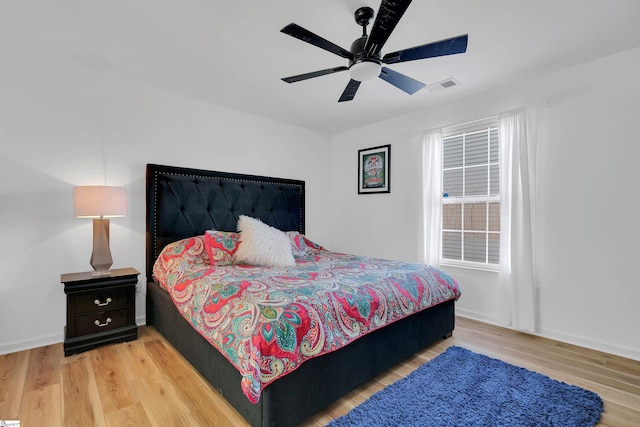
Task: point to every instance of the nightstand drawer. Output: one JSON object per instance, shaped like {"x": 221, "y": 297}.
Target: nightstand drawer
{"x": 103, "y": 300}
{"x": 99, "y": 322}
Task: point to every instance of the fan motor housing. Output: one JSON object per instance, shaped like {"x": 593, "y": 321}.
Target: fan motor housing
{"x": 357, "y": 48}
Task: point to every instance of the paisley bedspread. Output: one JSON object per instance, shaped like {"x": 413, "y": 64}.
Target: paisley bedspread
{"x": 268, "y": 320}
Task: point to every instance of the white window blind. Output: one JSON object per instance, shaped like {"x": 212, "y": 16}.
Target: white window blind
{"x": 471, "y": 195}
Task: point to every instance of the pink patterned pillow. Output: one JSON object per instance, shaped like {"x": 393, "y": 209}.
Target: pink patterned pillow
{"x": 190, "y": 250}
{"x": 298, "y": 244}
{"x": 220, "y": 246}
{"x": 311, "y": 246}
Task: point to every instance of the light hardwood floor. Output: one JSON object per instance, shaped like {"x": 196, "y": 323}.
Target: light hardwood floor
{"x": 147, "y": 383}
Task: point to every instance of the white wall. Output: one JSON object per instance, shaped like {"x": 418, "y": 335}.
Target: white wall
{"x": 62, "y": 125}
{"x": 588, "y": 209}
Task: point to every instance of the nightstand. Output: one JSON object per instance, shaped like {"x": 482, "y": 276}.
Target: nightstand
{"x": 100, "y": 309}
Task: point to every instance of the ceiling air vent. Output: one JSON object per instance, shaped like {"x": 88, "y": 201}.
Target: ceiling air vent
{"x": 445, "y": 84}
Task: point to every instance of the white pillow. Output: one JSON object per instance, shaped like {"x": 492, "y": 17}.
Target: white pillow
{"x": 262, "y": 245}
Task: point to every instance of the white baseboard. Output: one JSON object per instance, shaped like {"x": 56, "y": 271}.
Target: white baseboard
{"x": 580, "y": 341}
{"x": 474, "y": 315}
{"x": 587, "y": 342}
{"x": 28, "y": 344}
{"x": 141, "y": 320}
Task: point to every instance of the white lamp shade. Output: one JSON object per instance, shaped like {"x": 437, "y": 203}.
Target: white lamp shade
{"x": 99, "y": 201}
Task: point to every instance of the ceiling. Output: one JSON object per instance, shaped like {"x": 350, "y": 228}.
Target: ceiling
{"x": 231, "y": 54}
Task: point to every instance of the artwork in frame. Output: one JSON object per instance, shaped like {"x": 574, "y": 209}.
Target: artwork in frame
{"x": 374, "y": 170}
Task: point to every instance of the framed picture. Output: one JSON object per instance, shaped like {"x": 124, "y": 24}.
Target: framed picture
{"x": 374, "y": 170}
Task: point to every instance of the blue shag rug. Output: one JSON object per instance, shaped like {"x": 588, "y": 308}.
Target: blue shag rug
{"x": 463, "y": 388}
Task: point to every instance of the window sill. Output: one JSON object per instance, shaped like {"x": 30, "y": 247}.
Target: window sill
{"x": 468, "y": 265}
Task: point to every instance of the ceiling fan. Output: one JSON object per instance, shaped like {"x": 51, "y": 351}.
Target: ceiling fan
{"x": 365, "y": 58}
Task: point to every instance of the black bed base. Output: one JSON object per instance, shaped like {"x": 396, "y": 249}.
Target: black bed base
{"x": 319, "y": 381}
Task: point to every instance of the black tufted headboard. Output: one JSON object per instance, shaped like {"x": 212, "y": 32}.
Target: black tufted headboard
{"x": 184, "y": 202}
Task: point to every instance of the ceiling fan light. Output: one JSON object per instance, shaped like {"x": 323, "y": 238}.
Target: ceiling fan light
{"x": 364, "y": 70}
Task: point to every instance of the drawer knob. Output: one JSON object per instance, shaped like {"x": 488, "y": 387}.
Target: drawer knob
{"x": 100, "y": 325}
{"x": 102, "y": 304}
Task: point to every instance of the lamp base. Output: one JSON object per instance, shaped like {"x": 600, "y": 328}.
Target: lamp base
{"x": 101, "y": 259}
{"x": 100, "y": 273}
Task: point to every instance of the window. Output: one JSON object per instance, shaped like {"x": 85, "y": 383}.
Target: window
{"x": 471, "y": 195}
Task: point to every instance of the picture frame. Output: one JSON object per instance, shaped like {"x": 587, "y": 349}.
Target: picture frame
{"x": 374, "y": 170}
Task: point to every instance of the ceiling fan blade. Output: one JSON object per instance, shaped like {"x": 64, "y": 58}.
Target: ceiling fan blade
{"x": 400, "y": 81}
{"x": 313, "y": 74}
{"x": 450, "y": 46}
{"x": 295, "y": 30}
{"x": 350, "y": 91}
{"x": 388, "y": 16}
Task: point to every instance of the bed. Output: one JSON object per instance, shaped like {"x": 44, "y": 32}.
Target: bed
{"x": 183, "y": 203}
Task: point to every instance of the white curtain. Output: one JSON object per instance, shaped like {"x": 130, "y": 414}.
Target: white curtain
{"x": 431, "y": 197}
{"x": 518, "y": 271}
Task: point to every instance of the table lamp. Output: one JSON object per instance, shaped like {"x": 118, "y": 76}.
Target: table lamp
{"x": 100, "y": 203}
